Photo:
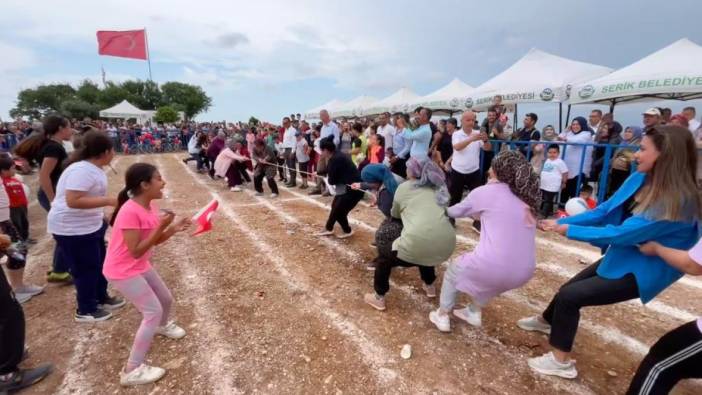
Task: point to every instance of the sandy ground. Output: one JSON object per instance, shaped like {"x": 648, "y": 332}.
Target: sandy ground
{"x": 271, "y": 309}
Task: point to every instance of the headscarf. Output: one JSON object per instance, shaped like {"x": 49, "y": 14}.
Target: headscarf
{"x": 615, "y": 130}
{"x": 429, "y": 174}
{"x": 545, "y": 136}
{"x": 638, "y": 133}
{"x": 380, "y": 174}
{"x": 584, "y": 127}
{"x": 512, "y": 168}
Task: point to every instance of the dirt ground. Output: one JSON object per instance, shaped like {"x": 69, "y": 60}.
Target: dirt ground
{"x": 271, "y": 309}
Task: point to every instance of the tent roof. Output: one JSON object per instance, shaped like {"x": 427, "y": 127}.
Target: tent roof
{"x": 124, "y": 109}
{"x": 329, "y": 106}
{"x": 354, "y": 107}
{"x": 669, "y": 73}
{"x": 449, "y": 98}
{"x": 536, "y": 78}
{"x": 398, "y": 101}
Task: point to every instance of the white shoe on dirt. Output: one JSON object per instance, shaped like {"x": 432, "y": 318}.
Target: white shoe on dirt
{"x": 171, "y": 330}
{"x": 144, "y": 374}
{"x": 30, "y": 289}
{"x": 547, "y": 364}
{"x": 274, "y": 195}
{"x": 534, "y": 323}
{"x": 430, "y": 290}
{"x": 344, "y": 235}
{"x": 235, "y": 189}
{"x": 474, "y": 318}
{"x": 324, "y": 233}
{"x": 441, "y": 321}
{"x": 376, "y": 302}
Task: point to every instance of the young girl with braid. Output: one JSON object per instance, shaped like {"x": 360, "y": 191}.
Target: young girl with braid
{"x": 506, "y": 205}
{"x": 137, "y": 226}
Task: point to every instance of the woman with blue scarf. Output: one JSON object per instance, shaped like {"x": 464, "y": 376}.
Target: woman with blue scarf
{"x": 624, "y": 157}
{"x": 659, "y": 202}
{"x": 379, "y": 177}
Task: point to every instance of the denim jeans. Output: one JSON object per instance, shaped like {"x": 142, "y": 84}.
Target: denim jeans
{"x": 57, "y": 264}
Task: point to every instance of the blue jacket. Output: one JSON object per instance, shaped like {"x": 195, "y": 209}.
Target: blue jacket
{"x": 603, "y": 227}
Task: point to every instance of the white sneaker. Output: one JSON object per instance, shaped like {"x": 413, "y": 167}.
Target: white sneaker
{"x": 235, "y": 189}
{"x": 442, "y": 321}
{"x": 32, "y": 290}
{"x": 474, "y": 318}
{"x": 274, "y": 195}
{"x": 171, "y": 330}
{"x": 430, "y": 290}
{"x": 547, "y": 364}
{"x": 345, "y": 235}
{"x": 144, "y": 374}
{"x": 534, "y": 323}
{"x": 22, "y": 298}
{"x": 324, "y": 233}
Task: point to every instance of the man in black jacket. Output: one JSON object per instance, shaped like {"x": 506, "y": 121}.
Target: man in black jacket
{"x": 341, "y": 173}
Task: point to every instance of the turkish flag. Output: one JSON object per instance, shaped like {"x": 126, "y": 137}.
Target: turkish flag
{"x": 203, "y": 219}
{"x": 125, "y": 44}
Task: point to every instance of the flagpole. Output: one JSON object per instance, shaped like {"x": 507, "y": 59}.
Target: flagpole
{"x": 148, "y": 54}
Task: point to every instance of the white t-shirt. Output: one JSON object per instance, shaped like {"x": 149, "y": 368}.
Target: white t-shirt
{"x": 316, "y": 143}
{"x": 552, "y": 174}
{"x": 388, "y": 132}
{"x": 467, "y": 160}
{"x": 4, "y": 205}
{"x": 65, "y": 221}
{"x": 695, "y": 254}
{"x": 693, "y": 125}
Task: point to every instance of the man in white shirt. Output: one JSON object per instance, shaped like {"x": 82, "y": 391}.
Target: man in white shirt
{"x": 329, "y": 128}
{"x": 289, "y": 142}
{"x": 464, "y": 164}
{"x": 386, "y": 130}
{"x": 690, "y": 113}
{"x": 595, "y": 121}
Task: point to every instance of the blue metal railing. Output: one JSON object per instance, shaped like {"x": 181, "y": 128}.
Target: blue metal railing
{"x": 526, "y": 147}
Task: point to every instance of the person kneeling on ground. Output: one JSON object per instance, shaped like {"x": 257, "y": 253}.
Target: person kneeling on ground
{"x": 427, "y": 237}
{"x": 229, "y": 163}
{"x": 507, "y": 204}
{"x": 342, "y": 173}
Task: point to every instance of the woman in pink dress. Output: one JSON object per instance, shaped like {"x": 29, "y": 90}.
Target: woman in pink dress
{"x": 505, "y": 256}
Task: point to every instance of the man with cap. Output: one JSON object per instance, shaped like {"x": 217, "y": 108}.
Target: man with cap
{"x": 651, "y": 118}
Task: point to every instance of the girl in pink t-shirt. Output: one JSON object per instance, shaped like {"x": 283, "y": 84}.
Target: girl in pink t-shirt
{"x": 137, "y": 226}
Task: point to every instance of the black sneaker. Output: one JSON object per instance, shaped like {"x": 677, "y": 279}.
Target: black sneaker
{"x": 112, "y": 303}
{"x": 23, "y": 378}
{"x": 96, "y": 316}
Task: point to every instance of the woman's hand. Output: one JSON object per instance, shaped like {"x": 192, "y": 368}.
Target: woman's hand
{"x": 356, "y": 185}
{"x": 182, "y": 225}
{"x": 5, "y": 241}
{"x": 550, "y": 225}
{"x": 166, "y": 219}
{"x": 649, "y": 248}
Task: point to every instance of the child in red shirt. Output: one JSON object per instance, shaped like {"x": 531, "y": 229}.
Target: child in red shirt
{"x": 18, "y": 199}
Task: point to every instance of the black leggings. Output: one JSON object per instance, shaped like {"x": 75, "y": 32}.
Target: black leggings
{"x": 585, "y": 289}
{"x": 675, "y": 356}
{"x": 571, "y": 187}
{"x": 11, "y": 328}
{"x": 383, "y": 268}
{"x": 340, "y": 209}
{"x": 258, "y": 182}
{"x": 459, "y": 181}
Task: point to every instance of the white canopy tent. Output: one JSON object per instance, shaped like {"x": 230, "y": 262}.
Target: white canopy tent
{"x": 354, "y": 107}
{"x": 448, "y": 99}
{"x": 538, "y": 77}
{"x": 329, "y": 106}
{"x": 124, "y": 110}
{"x": 671, "y": 73}
{"x": 398, "y": 101}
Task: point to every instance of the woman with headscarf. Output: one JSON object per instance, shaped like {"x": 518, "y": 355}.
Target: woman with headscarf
{"x": 213, "y": 151}
{"x": 378, "y": 177}
{"x": 427, "y": 238}
{"x": 578, "y": 133}
{"x": 229, "y": 162}
{"x": 623, "y": 158}
{"x": 610, "y": 134}
{"x": 507, "y": 204}
{"x": 548, "y": 134}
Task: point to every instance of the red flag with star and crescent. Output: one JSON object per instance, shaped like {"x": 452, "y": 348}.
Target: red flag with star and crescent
{"x": 124, "y": 44}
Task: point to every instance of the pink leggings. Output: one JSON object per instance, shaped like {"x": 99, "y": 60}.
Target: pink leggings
{"x": 151, "y": 297}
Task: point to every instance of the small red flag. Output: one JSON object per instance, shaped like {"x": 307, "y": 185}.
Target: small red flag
{"x": 125, "y": 44}
{"x": 203, "y": 218}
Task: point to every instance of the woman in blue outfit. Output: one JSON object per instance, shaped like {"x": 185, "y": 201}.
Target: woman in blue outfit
{"x": 659, "y": 202}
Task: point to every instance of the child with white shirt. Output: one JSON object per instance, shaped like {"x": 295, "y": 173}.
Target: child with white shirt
{"x": 554, "y": 175}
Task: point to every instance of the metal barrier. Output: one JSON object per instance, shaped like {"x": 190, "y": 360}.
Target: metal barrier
{"x": 527, "y": 148}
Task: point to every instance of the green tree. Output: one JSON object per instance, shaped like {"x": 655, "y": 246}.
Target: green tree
{"x": 111, "y": 95}
{"x": 191, "y": 99}
{"x": 166, "y": 114}
{"x": 88, "y": 91}
{"x": 144, "y": 94}
{"x": 79, "y": 109}
{"x": 253, "y": 121}
{"x": 42, "y": 100}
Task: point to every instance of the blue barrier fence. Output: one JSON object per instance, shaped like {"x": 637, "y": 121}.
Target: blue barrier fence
{"x": 527, "y": 148}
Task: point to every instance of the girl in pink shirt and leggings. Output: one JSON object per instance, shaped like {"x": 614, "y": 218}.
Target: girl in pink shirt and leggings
{"x": 137, "y": 226}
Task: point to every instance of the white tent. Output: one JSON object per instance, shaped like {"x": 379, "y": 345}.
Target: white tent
{"x": 671, "y": 73}
{"x": 329, "y": 106}
{"x": 354, "y": 107}
{"x": 448, "y": 99}
{"x": 538, "y": 77}
{"x": 398, "y": 101}
{"x": 124, "y": 110}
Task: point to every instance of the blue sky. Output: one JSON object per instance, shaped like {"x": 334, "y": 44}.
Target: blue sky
{"x": 271, "y": 58}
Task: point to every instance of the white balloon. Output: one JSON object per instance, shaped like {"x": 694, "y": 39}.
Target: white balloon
{"x": 576, "y": 206}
